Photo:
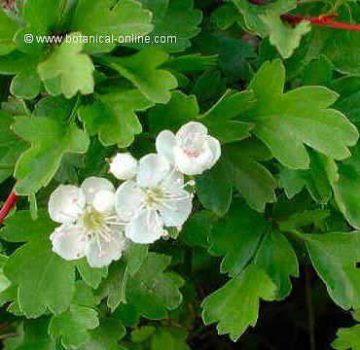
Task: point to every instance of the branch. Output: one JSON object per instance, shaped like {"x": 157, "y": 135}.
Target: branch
{"x": 322, "y": 20}
{"x": 8, "y": 205}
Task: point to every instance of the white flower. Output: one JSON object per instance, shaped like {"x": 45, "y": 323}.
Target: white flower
{"x": 192, "y": 150}
{"x": 155, "y": 200}
{"x": 90, "y": 227}
{"x": 123, "y": 166}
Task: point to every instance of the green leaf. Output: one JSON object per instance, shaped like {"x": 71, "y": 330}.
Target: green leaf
{"x": 90, "y": 276}
{"x": 214, "y": 189}
{"x": 26, "y": 82}
{"x": 107, "y": 336}
{"x": 152, "y": 290}
{"x": 175, "y": 19}
{"x": 348, "y": 88}
{"x": 346, "y": 188}
{"x": 112, "y": 116}
{"x": 8, "y": 28}
{"x": 169, "y": 339}
{"x": 10, "y": 147}
{"x": 235, "y": 55}
{"x": 283, "y": 36}
{"x": 33, "y": 336}
{"x": 191, "y": 63}
{"x": 180, "y": 109}
{"x": 142, "y": 334}
{"x": 51, "y": 137}
{"x": 319, "y": 72}
{"x": 252, "y": 179}
{"x": 287, "y": 122}
{"x": 44, "y": 280}
{"x": 303, "y": 219}
{"x": 113, "y": 287}
{"x": 128, "y": 315}
{"x": 230, "y": 105}
{"x": 15, "y": 230}
{"x": 318, "y": 179}
{"x": 72, "y": 326}
{"x": 69, "y": 67}
{"x": 44, "y": 19}
{"x": 347, "y": 338}
{"x": 135, "y": 255}
{"x": 235, "y": 306}
{"x": 208, "y": 86}
{"x": 225, "y": 16}
{"x": 291, "y": 181}
{"x": 219, "y": 118}
{"x": 142, "y": 69}
{"x": 334, "y": 256}
{"x": 342, "y": 49}
{"x": 277, "y": 258}
{"x": 197, "y": 229}
{"x": 4, "y": 282}
{"x": 84, "y": 295}
{"x": 40, "y": 17}
{"x": 237, "y": 237}
{"x": 103, "y": 18}
{"x": 252, "y": 13}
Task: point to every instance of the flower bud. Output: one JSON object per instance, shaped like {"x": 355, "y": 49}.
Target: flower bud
{"x": 123, "y": 166}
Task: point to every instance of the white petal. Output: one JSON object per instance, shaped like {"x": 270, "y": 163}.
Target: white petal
{"x": 129, "y": 199}
{"x": 215, "y": 147}
{"x": 66, "y": 204}
{"x": 191, "y": 128}
{"x": 193, "y": 165}
{"x": 124, "y": 166}
{"x": 165, "y": 144}
{"x": 69, "y": 241}
{"x": 174, "y": 181}
{"x": 145, "y": 228}
{"x": 152, "y": 169}
{"x": 104, "y": 201}
{"x": 93, "y": 184}
{"x": 177, "y": 209}
{"x": 102, "y": 252}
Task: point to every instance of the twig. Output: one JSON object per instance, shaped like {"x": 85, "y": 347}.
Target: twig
{"x": 321, "y": 20}
{"x": 8, "y": 205}
{"x": 7, "y": 335}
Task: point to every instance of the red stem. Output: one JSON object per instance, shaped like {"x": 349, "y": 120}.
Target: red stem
{"x": 8, "y": 205}
{"x": 322, "y": 20}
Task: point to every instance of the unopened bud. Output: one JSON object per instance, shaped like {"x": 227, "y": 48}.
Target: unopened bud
{"x": 123, "y": 166}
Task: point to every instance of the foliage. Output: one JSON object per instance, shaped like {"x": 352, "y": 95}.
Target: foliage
{"x": 281, "y": 95}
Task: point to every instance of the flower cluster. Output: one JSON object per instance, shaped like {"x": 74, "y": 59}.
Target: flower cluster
{"x": 97, "y": 220}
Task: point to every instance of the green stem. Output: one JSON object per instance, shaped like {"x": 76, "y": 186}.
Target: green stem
{"x": 74, "y": 110}
{"x": 298, "y": 235}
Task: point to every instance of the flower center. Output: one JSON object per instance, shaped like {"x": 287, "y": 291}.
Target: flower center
{"x": 154, "y": 196}
{"x": 93, "y": 221}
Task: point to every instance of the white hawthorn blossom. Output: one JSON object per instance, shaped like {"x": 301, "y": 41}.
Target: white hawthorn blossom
{"x": 192, "y": 150}
{"x": 89, "y": 225}
{"x": 156, "y": 199}
{"x": 123, "y": 166}
{"x": 96, "y": 220}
